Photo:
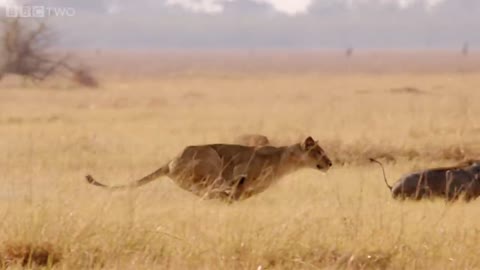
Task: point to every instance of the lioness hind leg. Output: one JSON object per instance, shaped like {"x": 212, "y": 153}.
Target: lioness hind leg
{"x": 198, "y": 170}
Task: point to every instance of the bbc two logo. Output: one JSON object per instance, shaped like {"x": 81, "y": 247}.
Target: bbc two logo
{"x": 39, "y": 11}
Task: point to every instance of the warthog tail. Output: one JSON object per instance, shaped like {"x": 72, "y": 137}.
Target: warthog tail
{"x": 383, "y": 170}
{"x": 147, "y": 179}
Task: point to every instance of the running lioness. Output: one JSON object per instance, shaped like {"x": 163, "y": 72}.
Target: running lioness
{"x": 234, "y": 172}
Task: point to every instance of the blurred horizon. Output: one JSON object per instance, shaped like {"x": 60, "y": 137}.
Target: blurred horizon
{"x": 265, "y": 24}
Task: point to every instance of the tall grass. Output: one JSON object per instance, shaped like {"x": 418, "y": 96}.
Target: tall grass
{"x": 343, "y": 219}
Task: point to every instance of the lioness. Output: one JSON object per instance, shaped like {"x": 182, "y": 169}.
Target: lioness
{"x": 234, "y": 172}
{"x": 447, "y": 182}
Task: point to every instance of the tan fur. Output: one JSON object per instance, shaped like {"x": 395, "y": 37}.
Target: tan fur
{"x": 255, "y": 140}
{"x": 234, "y": 172}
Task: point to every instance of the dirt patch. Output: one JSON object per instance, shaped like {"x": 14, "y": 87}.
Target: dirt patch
{"x": 365, "y": 260}
{"x": 408, "y": 90}
{"x": 28, "y": 254}
{"x": 363, "y": 92}
{"x": 32, "y": 120}
{"x": 328, "y": 258}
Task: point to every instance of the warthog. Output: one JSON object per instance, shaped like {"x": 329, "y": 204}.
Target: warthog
{"x": 448, "y": 182}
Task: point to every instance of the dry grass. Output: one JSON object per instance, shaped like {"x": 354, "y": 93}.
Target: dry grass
{"x": 345, "y": 219}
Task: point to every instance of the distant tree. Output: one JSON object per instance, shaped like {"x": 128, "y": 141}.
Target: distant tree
{"x": 25, "y": 50}
{"x": 465, "y": 49}
{"x": 349, "y": 52}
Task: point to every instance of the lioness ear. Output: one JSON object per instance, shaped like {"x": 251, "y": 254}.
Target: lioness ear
{"x": 309, "y": 143}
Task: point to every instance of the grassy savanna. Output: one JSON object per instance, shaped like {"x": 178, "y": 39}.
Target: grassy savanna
{"x": 52, "y": 136}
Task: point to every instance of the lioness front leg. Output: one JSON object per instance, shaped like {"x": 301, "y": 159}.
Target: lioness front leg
{"x": 238, "y": 181}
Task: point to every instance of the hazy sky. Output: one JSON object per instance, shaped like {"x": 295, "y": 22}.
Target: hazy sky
{"x": 265, "y": 23}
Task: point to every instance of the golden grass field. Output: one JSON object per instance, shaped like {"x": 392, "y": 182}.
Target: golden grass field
{"x": 54, "y": 133}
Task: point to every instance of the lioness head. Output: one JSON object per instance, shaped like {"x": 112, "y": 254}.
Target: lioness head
{"x": 313, "y": 156}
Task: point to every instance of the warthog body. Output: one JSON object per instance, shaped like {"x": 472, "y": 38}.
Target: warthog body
{"x": 449, "y": 183}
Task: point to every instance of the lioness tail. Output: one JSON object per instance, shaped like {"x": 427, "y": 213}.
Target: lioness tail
{"x": 145, "y": 180}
